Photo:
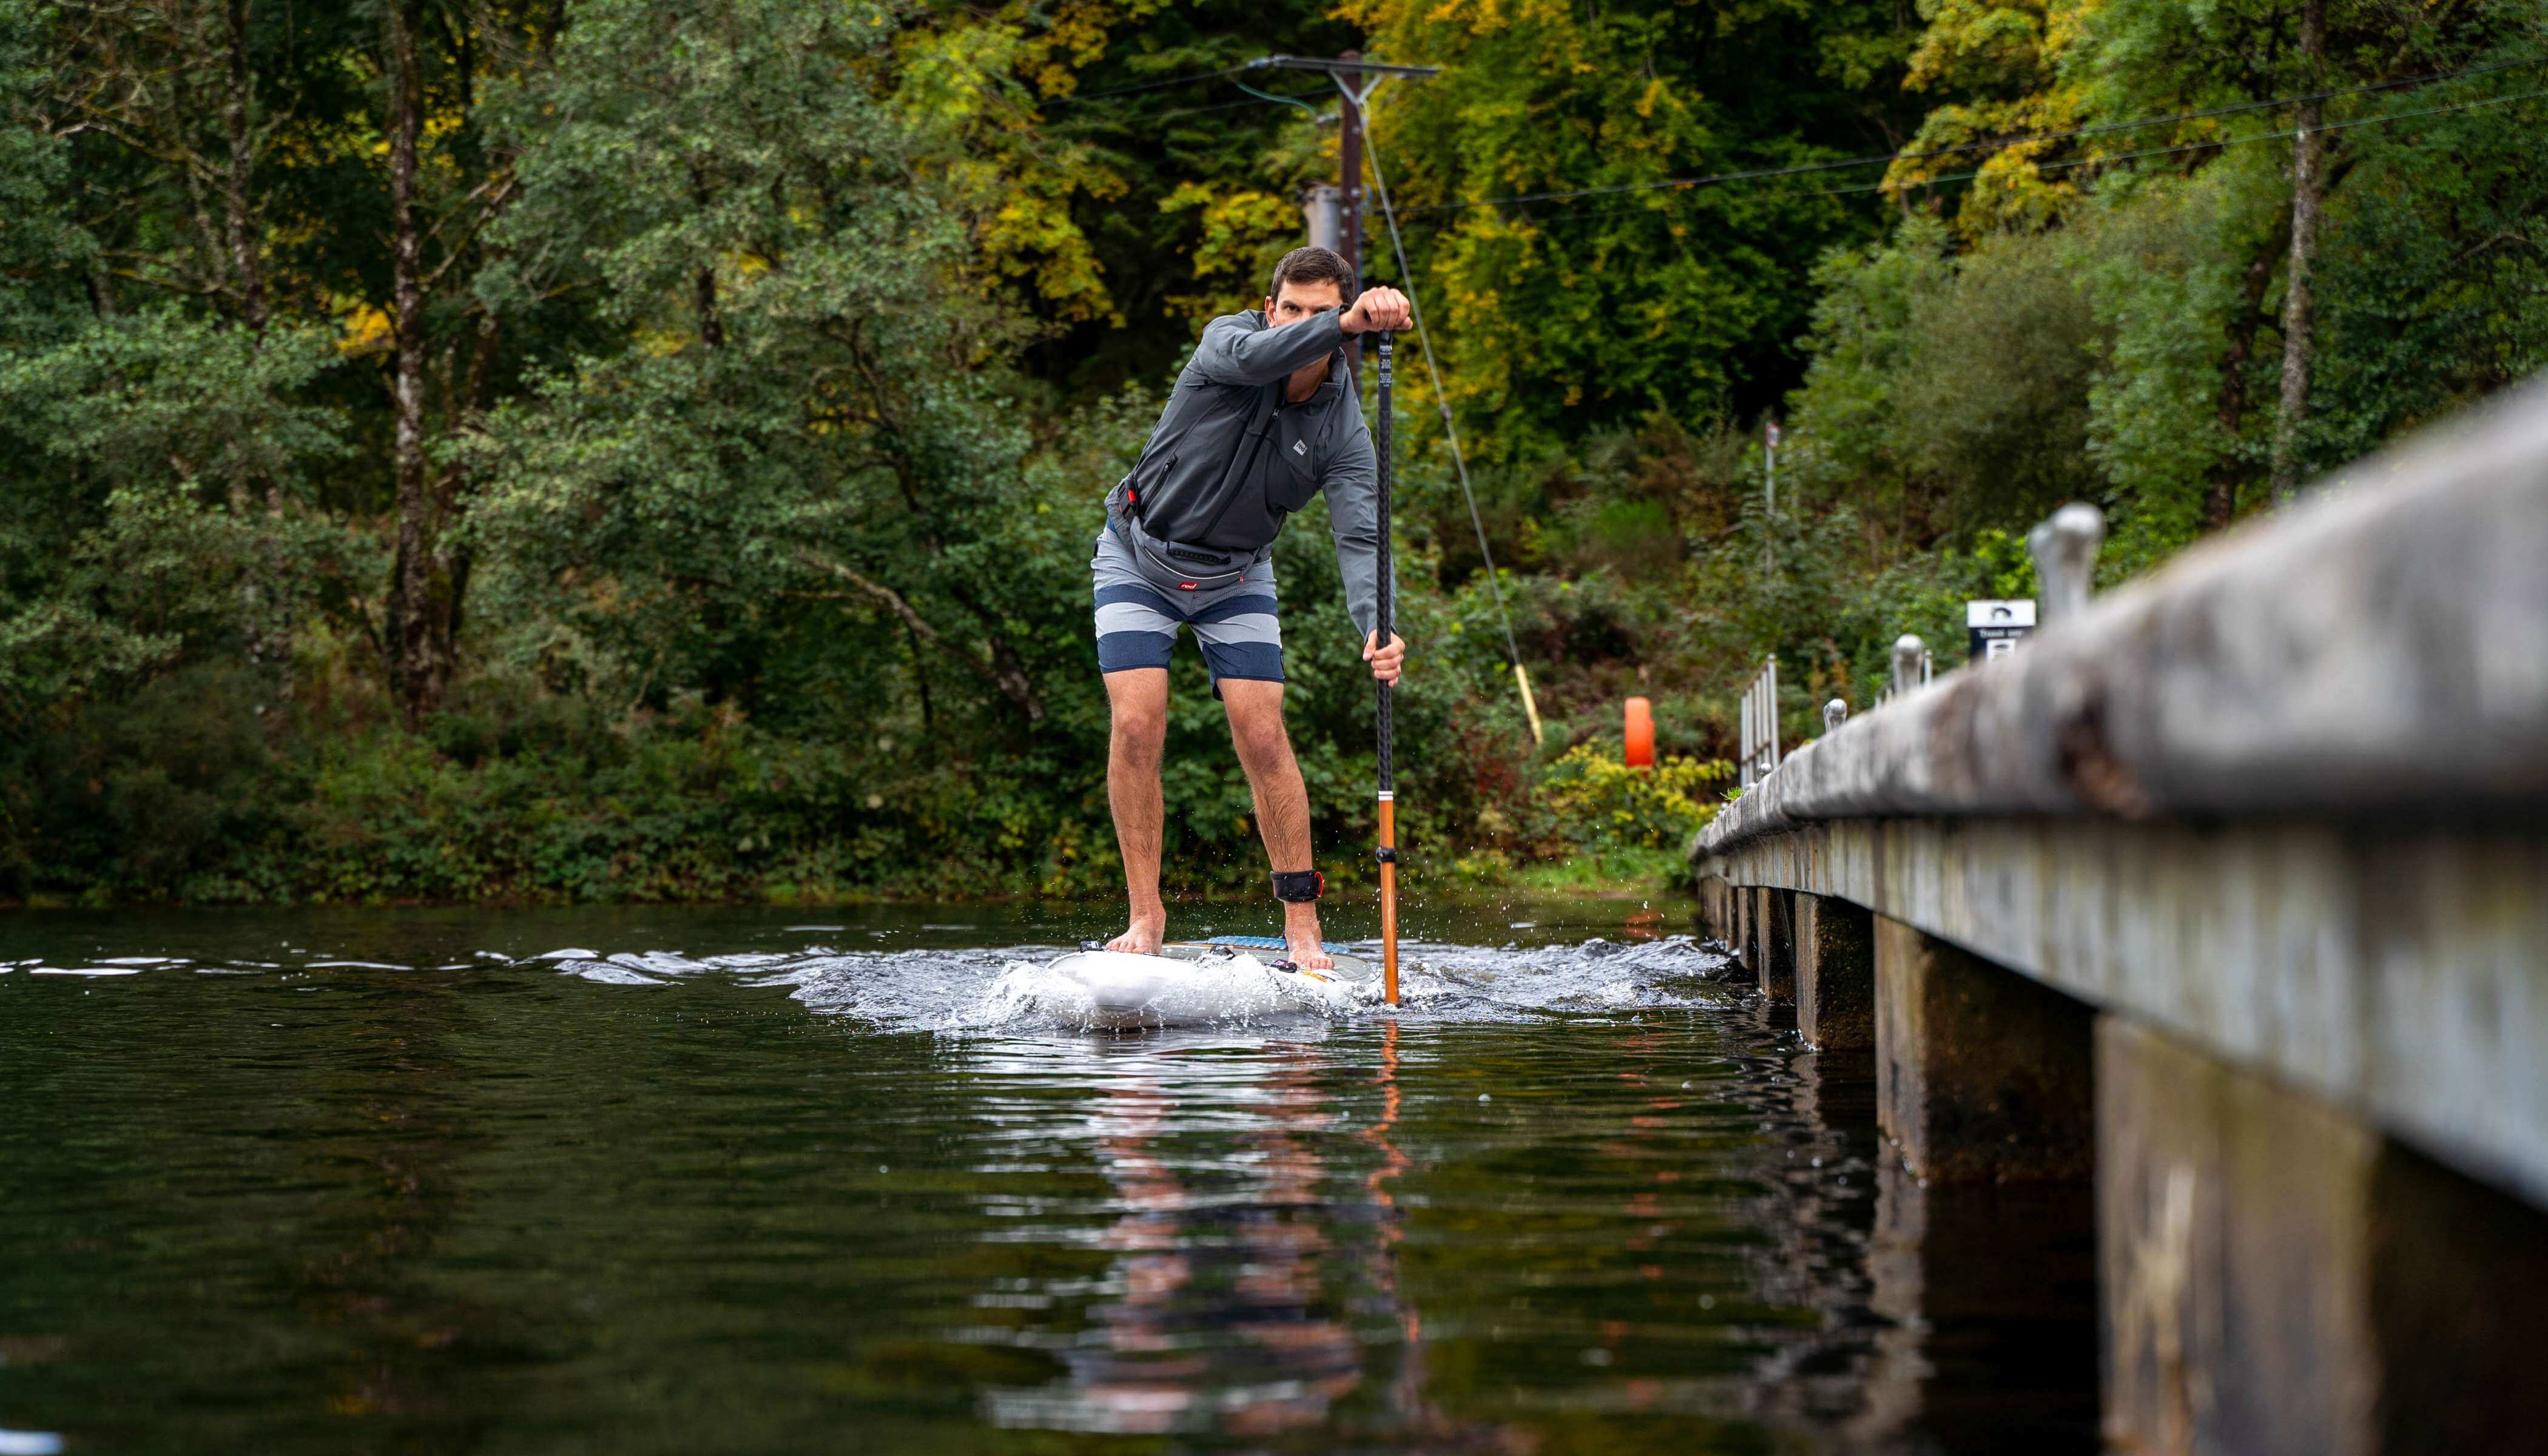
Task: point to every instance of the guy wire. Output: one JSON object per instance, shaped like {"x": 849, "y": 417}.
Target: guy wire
{"x": 1424, "y": 337}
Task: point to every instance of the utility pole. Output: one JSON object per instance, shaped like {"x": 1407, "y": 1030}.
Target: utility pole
{"x": 1349, "y": 186}
{"x": 1356, "y": 78}
{"x": 1349, "y": 159}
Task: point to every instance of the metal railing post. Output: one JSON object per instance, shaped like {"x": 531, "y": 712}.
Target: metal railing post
{"x": 1746, "y": 735}
{"x": 1759, "y": 733}
{"x": 1769, "y": 694}
{"x": 2064, "y": 547}
{"x": 1908, "y": 650}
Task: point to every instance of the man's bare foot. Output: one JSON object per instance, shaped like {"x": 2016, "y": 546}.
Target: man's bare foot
{"x": 1301, "y": 937}
{"x": 1143, "y": 938}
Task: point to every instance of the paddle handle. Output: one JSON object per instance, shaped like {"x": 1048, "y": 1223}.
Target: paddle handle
{"x": 1386, "y": 448}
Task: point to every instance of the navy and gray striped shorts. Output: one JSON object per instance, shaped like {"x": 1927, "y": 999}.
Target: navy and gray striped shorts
{"x": 1236, "y": 626}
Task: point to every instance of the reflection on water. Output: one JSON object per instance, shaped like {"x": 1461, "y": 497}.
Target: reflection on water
{"x": 723, "y": 1181}
{"x": 1213, "y": 1315}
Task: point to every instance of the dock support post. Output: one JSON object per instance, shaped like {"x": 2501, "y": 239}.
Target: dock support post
{"x": 1835, "y": 973}
{"x": 1774, "y": 925}
{"x": 2279, "y": 1278}
{"x": 1755, "y": 938}
{"x": 1741, "y": 941}
{"x": 1982, "y": 1074}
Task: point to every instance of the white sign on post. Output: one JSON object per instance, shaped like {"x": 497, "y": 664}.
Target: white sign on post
{"x": 1995, "y": 628}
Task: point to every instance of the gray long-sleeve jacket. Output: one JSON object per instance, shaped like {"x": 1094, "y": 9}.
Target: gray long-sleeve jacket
{"x": 1230, "y": 459}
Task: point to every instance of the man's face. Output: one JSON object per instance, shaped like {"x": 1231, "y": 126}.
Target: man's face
{"x": 1299, "y": 301}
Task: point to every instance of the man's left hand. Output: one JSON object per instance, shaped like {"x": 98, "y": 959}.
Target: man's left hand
{"x": 1386, "y": 661}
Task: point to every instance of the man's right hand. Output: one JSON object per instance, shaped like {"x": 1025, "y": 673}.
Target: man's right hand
{"x": 1377, "y": 310}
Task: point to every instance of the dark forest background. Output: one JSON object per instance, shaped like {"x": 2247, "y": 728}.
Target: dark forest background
{"x": 593, "y": 449}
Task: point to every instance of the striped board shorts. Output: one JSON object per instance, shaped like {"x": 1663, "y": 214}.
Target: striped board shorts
{"x": 1137, "y": 623}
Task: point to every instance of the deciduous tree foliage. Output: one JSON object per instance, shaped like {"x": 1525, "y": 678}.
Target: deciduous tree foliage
{"x": 650, "y": 448}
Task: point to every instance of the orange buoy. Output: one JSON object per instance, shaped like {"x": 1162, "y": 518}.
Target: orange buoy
{"x": 1641, "y": 733}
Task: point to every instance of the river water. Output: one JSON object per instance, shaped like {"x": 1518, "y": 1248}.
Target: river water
{"x": 752, "y": 1181}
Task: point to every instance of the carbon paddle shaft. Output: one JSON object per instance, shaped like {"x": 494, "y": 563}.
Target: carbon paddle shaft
{"x": 1388, "y": 851}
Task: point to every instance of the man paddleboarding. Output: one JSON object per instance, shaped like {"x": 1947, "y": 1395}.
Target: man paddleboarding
{"x": 1264, "y": 417}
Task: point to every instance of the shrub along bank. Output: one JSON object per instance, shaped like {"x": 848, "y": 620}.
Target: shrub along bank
{"x": 184, "y": 796}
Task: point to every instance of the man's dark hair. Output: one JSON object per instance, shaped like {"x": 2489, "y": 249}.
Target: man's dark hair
{"x": 1314, "y": 265}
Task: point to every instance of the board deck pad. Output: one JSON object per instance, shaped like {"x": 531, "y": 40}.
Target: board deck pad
{"x": 1269, "y": 948}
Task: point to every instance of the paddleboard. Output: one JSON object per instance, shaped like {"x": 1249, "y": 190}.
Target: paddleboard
{"x": 1196, "y": 981}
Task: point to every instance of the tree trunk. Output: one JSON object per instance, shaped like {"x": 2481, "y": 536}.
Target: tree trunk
{"x": 419, "y": 666}
{"x": 240, "y": 199}
{"x": 2221, "y": 495}
{"x": 2308, "y": 191}
{"x": 450, "y": 500}
{"x": 264, "y": 597}
{"x": 711, "y": 333}
{"x": 920, "y": 679}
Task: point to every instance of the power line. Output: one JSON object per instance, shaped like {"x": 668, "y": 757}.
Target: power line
{"x": 2284, "y": 135}
{"x": 1270, "y": 96}
{"x": 1256, "y": 98}
{"x": 1262, "y": 62}
{"x": 1079, "y": 96}
{"x": 2065, "y": 165}
{"x": 1963, "y": 148}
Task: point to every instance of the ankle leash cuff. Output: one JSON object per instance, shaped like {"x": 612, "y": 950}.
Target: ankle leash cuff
{"x": 1298, "y": 886}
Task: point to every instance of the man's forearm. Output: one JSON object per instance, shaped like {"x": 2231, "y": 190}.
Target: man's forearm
{"x": 1234, "y": 354}
{"x": 1358, "y": 564}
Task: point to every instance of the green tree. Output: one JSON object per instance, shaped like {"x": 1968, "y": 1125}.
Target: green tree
{"x": 797, "y": 395}
{"x": 1560, "y": 318}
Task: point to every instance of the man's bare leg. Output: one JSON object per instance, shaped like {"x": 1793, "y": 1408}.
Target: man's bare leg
{"x": 1282, "y": 802}
{"x": 1140, "y": 699}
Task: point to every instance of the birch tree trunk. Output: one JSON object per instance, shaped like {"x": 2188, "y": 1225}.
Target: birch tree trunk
{"x": 2230, "y": 410}
{"x": 263, "y": 589}
{"x": 2308, "y": 191}
{"x": 420, "y": 669}
{"x": 240, "y": 222}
